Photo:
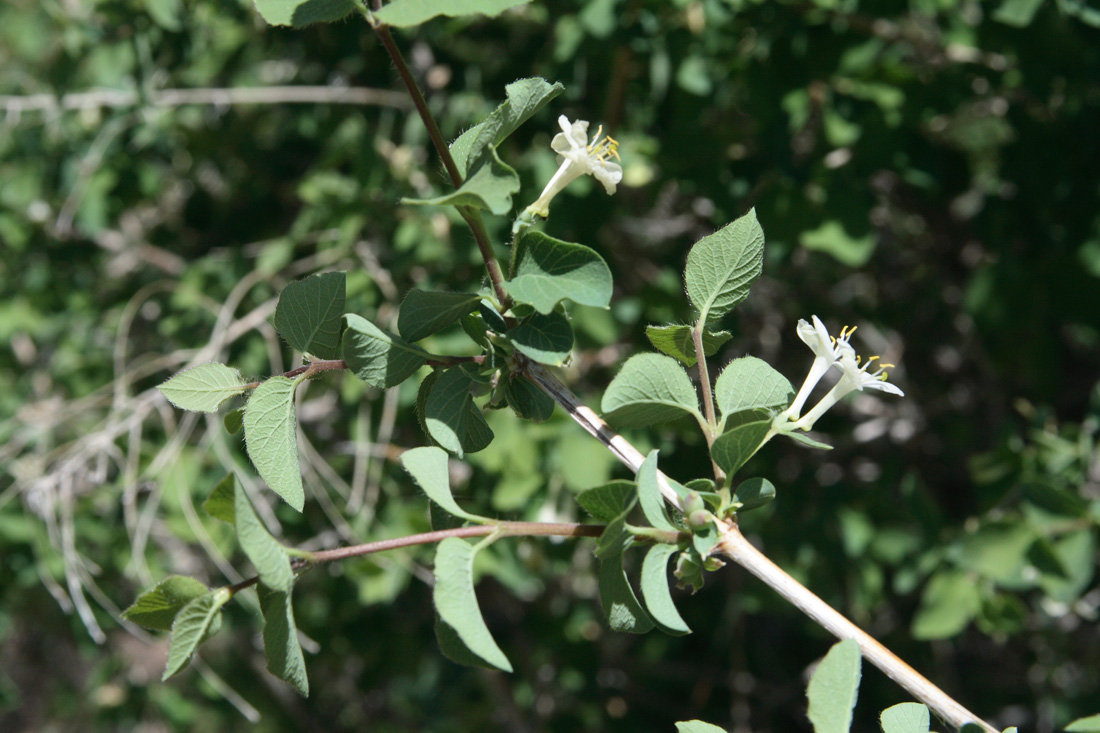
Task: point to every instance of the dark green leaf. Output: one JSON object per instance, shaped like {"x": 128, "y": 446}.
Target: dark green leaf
{"x": 456, "y": 603}
{"x": 219, "y": 504}
{"x": 300, "y": 13}
{"x": 425, "y": 312}
{"x": 607, "y": 502}
{"x": 732, "y": 448}
{"x": 721, "y": 267}
{"x": 677, "y": 342}
{"x": 527, "y": 399}
{"x": 267, "y": 556}
{"x": 199, "y": 619}
{"x": 309, "y": 314}
{"x": 834, "y": 687}
{"x": 620, "y": 605}
{"x": 446, "y": 411}
{"x": 655, "y": 591}
{"x": 203, "y": 388}
{"x": 649, "y": 389}
{"x": 234, "y": 421}
{"x": 271, "y": 438}
{"x": 406, "y": 13}
{"x": 1018, "y": 13}
{"x": 754, "y": 493}
{"x": 546, "y": 339}
{"x": 157, "y": 607}
{"x": 281, "y": 647}
{"x": 549, "y": 270}
{"x": 749, "y": 383}
{"x": 378, "y": 357}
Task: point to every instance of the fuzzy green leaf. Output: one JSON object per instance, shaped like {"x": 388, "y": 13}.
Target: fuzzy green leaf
{"x": 807, "y": 441}
{"x": 649, "y": 389}
{"x": 281, "y": 647}
{"x": 157, "y": 607}
{"x": 428, "y": 467}
{"x": 490, "y": 187}
{"x": 378, "y": 357}
{"x": 834, "y": 687}
{"x": 677, "y": 342}
{"x": 607, "y": 502}
{"x": 203, "y": 388}
{"x": 219, "y": 504}
{"x": 907, "y": 717}
{"x": 1091, "y": 724}
{"x": 451, "y": 417}
{"x": 649, "y": 494}
{"x": 655, "y": 590}
{"x": 457, "y": 604}
{"x": 732, "y": 448}
{"x": 549, "y": 271}
{"x": 620, "y": 605}
{"x": 546, "y": 339}
{"x": 300, "y": 13}
{"x": 424, "y": 312}
{"x": 199, "y": 619}
{"x": 308, "y": 315}
{"x": 697, "y": 726}
{"x": 267, "y": 556}
{"x": 407, "y": 13}
{"x": 721, "y": 267}
{"x": 749, "y": 383}
{"x": 271, "y": 438}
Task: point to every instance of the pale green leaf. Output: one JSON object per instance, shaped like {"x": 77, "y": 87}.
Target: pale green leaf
{"x": 697, "y": 726}
{"x": 620, "y": 605}
{"x": 807, "y": 440}
{"x": 452, "y": 647}
{"x": 1017, "y": 13}
{"x": 378, "y": 357}
{"x": 490, "y": 187}
{"x": 203, "y": 388}
{"x": 606, "y": 502}
{"x": 749, "y": 383}
{"x": 546, "y": 339}
{"x": 649, "y": 494}
{"x": 267, "y": 556}
{"x": 157, "y": 607}
{"x": 907, "y": 717}
{"x": 721, "y": 267}
{"x": 309, "y": 314}
{"x": 832, "y": 239}
{"x": 549, "y": 271}
{"x": 677, "y": 342}
{"x": 424, "y": 312}
{"x": 457, "y": 604}
{"x": 281, "y": 647}
{"x": 949, "y": 602}
{"x": 197, "y": 620}
{"x": 655, "y": 590}
{"x": 271, "y": 438}
{"x": 753, "y": 493}
{"x": 219, "y": 504}
{"x": 428, "y": 467}
{"x": 1091, "y": 724}
{"x": 648, "y": 390}
{"x": 834, "y": 687}
{"x": 406, "y": 13}
{"x": 732, "y": 448}
{"x": 300, "y": 13}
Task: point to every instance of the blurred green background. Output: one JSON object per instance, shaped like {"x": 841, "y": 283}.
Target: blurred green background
{"x": 928, "y": 170}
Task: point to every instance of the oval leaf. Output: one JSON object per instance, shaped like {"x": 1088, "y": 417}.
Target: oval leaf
{"x": 620, "y": 605}
{"x": 203, "y": 388}
{"x": 546, "y": 339}
{"x": 834, "y": 687}
{"x": 908, "y": 717}
{"x": 677, "y": 342}
{"x": 281, "y": 647}
{"x": 457, "y": 604}
{"x": 732, "y": 448}
{"x": 378, "y": 357}
{"x": 549, "y": 271}
{"x": 428, "y": 467}
{"x": 527, "y": 399}
{"x": 446, "y": 411}
{"x": 424, "y": 312}
{"x": 721, "y": 268}
{"x": 271, "y": 438}
{"x": 649, "y": 389}
{"x": 308, "y": 315}
{"x": 157, "y": 607}
{"x": 655, "y": 591}
{"x": 753, "y": 494}
{"x": 199, "y": 619}
{"x": 406, "y": 13}
{"x": 749, "y": 383}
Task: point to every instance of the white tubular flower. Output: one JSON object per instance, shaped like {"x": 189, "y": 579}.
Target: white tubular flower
{"x": 829, "y": 352}
{"x": 580, "y": 158}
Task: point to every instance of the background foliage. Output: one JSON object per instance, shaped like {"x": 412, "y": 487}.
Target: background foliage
{"x": 926, "y": 170}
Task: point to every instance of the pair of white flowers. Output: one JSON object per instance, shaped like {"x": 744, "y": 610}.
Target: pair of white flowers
{"x": 829, "y": 352}
{"x": 579, "y": 158}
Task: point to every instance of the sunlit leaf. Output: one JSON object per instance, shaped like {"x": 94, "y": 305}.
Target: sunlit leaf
{"x": 834, "y": 687}
{"x": 749, "y": 383}
{"x": 309, "y": 314}
{"x": 907, "y": 717}
{"x": 457, "y": 604}
{"x": 655, "y": 590}
{"x": 650, "y": 389}
{"x": 199, "y": 619}
{"x": 271, "y": 438}
{"x": 378, "y": 357}
{"x": 721, "y": 267}
{"x": 678, "y": 342}
{"x": 549, "y": 270}
{"x": 203, "y": 388}
{"x": 428, "y": 467}
{"x": 649, "y": 494}
{"x": 406, "y": 13}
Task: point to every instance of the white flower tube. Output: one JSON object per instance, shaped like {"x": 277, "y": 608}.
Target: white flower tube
{"x": 579, "y": 158}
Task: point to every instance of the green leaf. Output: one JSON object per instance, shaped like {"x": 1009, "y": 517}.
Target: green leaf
{"x": 546, "y": 339}
{"x": 203, "y": 388}
{"x": 649, "y": 494}
{"x": 704, "y": 539}
{"x": 527, "y": 399}
{"x": 281, "y": 647}
{"x": 267, "y": 556}
{"x": 407, "y": 13}
{"x": 219, "y": 504}
{"x": 1018, "y": 13}
{"x": 655, "y": 591}
{"x": 677, "y": 342}
{"x": 721, "y": 268}
{"x": 199, "y": 619}
{"x": 749, "y": 383}
{"x": 1091, "y": 724}
{"x": 450, "y": 644}
{"x": 524, "y": 97}
{"x": 949, "y": 602}
{"x": 697, "y": 726}
{"x": 754, "y": 493}
{"x": 300, "y": 13}
{"x": 452, "y": 418}
{"x": 834, "y": 687}
{"x": 478, "y": 433}
{"x": 308, "y": 315}
{"x": 832, "y": 239}
{"x": 607, "y": 502}
{"x": 649, "y": 389}
{"x": 428, "y": 467}
{"x": 549, "y": 271}
{"x": 456, "y": 603}
{"x": 620, "y": 605}
{"x": 807, "y": 440}
{"x": 234, "y": 421}
{"x": 378, "y": 357}
{"x": 732, "y": 448}
{"x": 271, "y": 438}
{"x": 907, "y": 717}
{"x": 490, "y": 187}
{"x": 424, "y": 312}
{"x": 157, "y": 607}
